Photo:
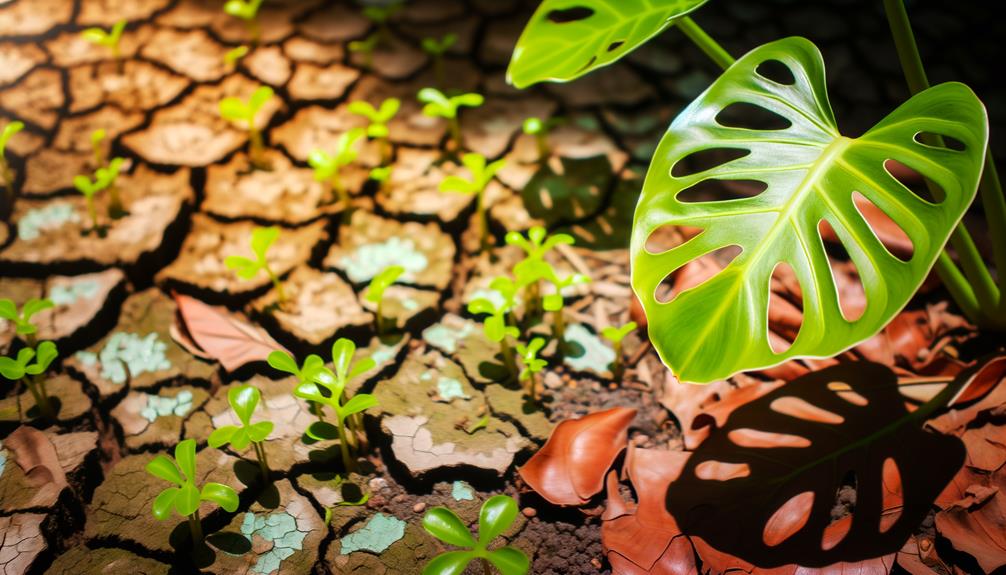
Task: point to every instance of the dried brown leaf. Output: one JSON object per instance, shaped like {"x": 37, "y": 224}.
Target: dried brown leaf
{"x": 226, "y": 337}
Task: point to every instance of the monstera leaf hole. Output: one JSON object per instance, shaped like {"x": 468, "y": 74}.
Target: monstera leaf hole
{"x": 893, "y": 495}
{"x": 914, "y": 181}
{"x": 940, "y": 141}
{"x": 749, "y": 116}
{"x": 851, "y": 293}
{"x": 789, "y": 311}
{"x": 888, "y": 232}
{"x": 669, "y": 236}
{"x": 801, "y": 409}
{"x": 776, "y": 71}
{"x": 788, "y": 519}
{"x": 696, "y": 272}
{"x": 756, "y": 438}
{"x": 573, "y": 14}
{"x": 705, "y": 160}
{"x": 721, "y": 471}
{"x": 721, "y": 190}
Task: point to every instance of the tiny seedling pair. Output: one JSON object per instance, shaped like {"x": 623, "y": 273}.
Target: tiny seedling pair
{"x": 496, "y": 516}
{"x": 247, "y": 11}
{"x": 540, "y": 129}
{"x": 109, "y": 39}
{"x": 378, "y": 119}
{"x": 5, "y": 172}
{"x": 248, "y": 268}
{"x": 185, "y": 496}
{"x": 481, "y": 174}
{"x": 105, "y": 178}
{"x": 234, "y": 109}
{"x": 436, "y": 48}
{"x": 327, "y": 389}
{"x": 375, "y": 293}
{"x": 615, "y": 335}
{"x": 496, "y": 326}
{"x": 533, "y": 268}
{"x": 243, "y": 400}
{"x": 20, "y": 368}
{"x": 439, "y": 105}
{"x": 328, "y": 167}
{"x": 380, "y": 16}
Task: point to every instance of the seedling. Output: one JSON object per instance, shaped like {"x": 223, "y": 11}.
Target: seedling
{"x": 381, "y": 175}
{"x": 8, "y": 177}
{"x": 18, "y": 369}
{"x": 540, "y": 129}
{"x": 244, "y": 400}
{"x": 246, "y": 10}
{"x": 22, "y": 321}
{"x": 186, "y": 496}
{"x": 375, "y": 293}
{"x": 380, "y": 15}
{"x": 97, "y": 147}
{"x": 106, "y": 178}
{"x": 313, "y": 365}
{"x": 327, "y": 389}
{"x": 235, "y": 109}
{"x": 555, "y": 302}
{"x": 366, "y": 47}
{"x": 109, "y": 39}
{"x": 234, "y": 55}
{"x": 615, "y": 335}
{"x": 532, "y": 364}
{"x": 481, "y": 175}
{"x": 496, "y": 516}
{"x": 327, "y": 166}
{"x": 495, "y": 326}
{"x": 528, "y": 272}
{"x": 436, "y": 49}
{"x": 246, "y": 268}
{"x": 378, "y": 118}
{"x": 440, "y": 106}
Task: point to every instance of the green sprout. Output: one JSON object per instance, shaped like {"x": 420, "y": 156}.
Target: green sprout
{"x": 378, "y": 118}
{"x": 528, "y": 272}
{"x": 366, "y": 47}
{"x": 495, "y": 517}
{"x": 555, "y": 303}
{"x": 246, "y": 10}
{"x": 97, "y": 147}
{"x": 481, "y": 175}
{"x": 22, "y": 320}
{"x": 186, "y": 496}
{"x": 436, "y": 49}
{"x": 327, "y": 166}
{"x": 381, "y": 175}
{"x": 375, "y": 293}
{"x": 532, "y": 364}
{"x": 237, "y": 110}
{"x": 109, "y": 39}
{"x": 104, "y": 179}
{"x": 615, "y": 335}
{"x": 8, "y": 177}
{"x": 540, "y": 129}
{"x": 495, "y": 327}
{"x": 234, "y": 55}
{"x": 246, "y": 268}
{"x": 440, "y": 106}
{"x": 380, "y": 15}
{"x": 243, "y": 401}
{"x": 18, "y": 369}
{"x": 327, "y": 389}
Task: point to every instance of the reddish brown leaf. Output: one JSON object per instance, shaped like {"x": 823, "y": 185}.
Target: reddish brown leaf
{"x": 982, "y": 393}
{"x": 226, "y": 337}
{"x": 647, "y": 541}
{"x": 36, "y": 456}
{"x": 973, "y": 518}
{"x": 570, "y": 468}
{"x": 919, "y": 557}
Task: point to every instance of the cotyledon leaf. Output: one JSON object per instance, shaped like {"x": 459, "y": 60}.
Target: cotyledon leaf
{"x": 811, "y": 171}
{"x": 565, "y": 39}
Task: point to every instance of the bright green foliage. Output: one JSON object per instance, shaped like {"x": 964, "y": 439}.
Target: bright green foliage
{"x": 566, "y": 39}
{"x": 327, "y": 166}
{"x": 555, "y": 301}
{"x": 22, "y": 320}
{"x": 435, "y": 47}
{"x": 440, "y": 106}
{"x": 381, "y": 175}
{"x": 540, "y": 129}
{"x": 538, "y": 242}
{"x": 366, "y": 47}
{"x": 811, "y": 171}
{"x": 243, "y": 9}
{"x": 246, "y": 268}
{"x": 495, "y": 326}
{"x": 8, "y": 178}
{"x": 616, "y": 334}
{"x": 532, "y": 363}
{"x": 109, "y": 39}
{"x": 105, "y": 178}
{"x": 497, "y": 515}
{"x": 481, "y": 175}
{"x": 381, "y": 14}
{"x": 375, "y": 293}
{"x": 8, "y": 132}
{"x": 313, "y": 365}
{"x": 232, "y": 56}
{"x": 235, "y": 109}
{"x": 185, "y": 496}
{"x": 243, "y": 401}
{"x": 16, "y": 368}
{"x": 378, "y": 117}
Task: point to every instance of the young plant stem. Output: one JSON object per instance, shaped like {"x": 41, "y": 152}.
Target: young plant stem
{"x": 278, "y": 285}
{"x": 482, "y": 222}
{"x": 438, "y": 69}
{"x": 257, "y": 147}
{"x": 379, "y": 317}
{"x": 976, "y": 283}
{"x": 618, "y": 369}
{"x": 263, "y": 463}
{"x": 532, "y": 387}
{"x": 92, "y": 212}
{"x": 712, "y": 49}
{"x": 339, "y": 193}
{"x": 196, "y": 528}
{"x": 385, "y": 145}
{"x": 115, "y": 208}
{"x": 347, "y": 459}
{"x": 37, "y": 389}
{"x": 559, "y": 330}
{"x": 99, "y": 156}
{"x": 508, "y": 358}
{"x": 541, "y": 141}
{"x": 454, "y": 127}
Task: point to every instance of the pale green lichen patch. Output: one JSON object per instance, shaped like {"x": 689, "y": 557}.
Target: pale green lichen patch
{"x": 122, "y": 351}
{"x": 280, "y": 529}
{"x": 445, "y": 337}
{"x": 461, "y": 491}
{"x": 376, "y": 536}
{"x": 36, "y": 221}
{"x": 68, "y": 294}
{"x": 384, "y": 354}
{"x": 158, "y": 406}
{"x": 449, "y": 388}
{"x": 371, "y": 259}
{"x": 591, "y": 354}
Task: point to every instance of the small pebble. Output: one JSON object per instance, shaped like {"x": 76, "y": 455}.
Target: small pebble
{"x": 399, "y": 498}
{"x": 595, "y": 562}
{"x": 419, "y": 507}
{"x": 529, "y": 511}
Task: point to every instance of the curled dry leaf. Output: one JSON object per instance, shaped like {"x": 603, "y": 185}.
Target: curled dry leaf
{"x": 35, "y": 454}
{"x": 221, "y": 335}
{"x": 570, "y": 468}
{"x": 982, "y": 392}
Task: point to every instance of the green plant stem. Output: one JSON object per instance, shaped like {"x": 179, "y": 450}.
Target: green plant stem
{"x": 115, "y": 208}
{"x": 712, "y": 49}
{"x": 385, "y": 145}
{"x": 976, "y": 275}
{"x": 339, "y": 192}
{"x": 257, "y": 146}
{"x": 508, "y": 358}
{"x": 347, "y": 460}
{"x": 559, "y": 332}
{"x": 280, "y": 292}
{"x": 263, "y": 462}
{"x": 541, "y": 141}
{"x": 92, "y": 212}
{"x": 455, "y": 130}
{"x": 379, "y": 317}
{"x": 196, "y": 528}
{"x": 37, "y": 390}
{"x": 994, "y": 204}
{"x": 482, "y": 221}
{"x": 619, "y": 366}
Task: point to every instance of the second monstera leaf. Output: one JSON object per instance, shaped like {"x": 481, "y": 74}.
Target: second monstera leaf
{"x": 565, "y": 39}
{"x": 811, "y": 174}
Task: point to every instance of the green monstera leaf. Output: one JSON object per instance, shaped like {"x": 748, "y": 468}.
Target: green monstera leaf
{"x": 811, "y": 175}
{"x": 565, "y": 39}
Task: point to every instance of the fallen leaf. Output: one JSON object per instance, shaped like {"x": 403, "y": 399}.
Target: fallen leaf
{"x": 973, "y": 516}
{"x": 35, "y": 454}
{"x": 226, "y": 337}
{"x": 982, "y": 393}
{"x": 570, "y": 468}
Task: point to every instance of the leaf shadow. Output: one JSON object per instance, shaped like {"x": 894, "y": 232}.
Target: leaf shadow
{"x": 576, "y": 190}
{"x": 763, "y": 487}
